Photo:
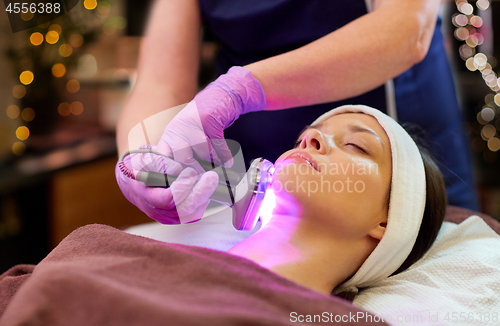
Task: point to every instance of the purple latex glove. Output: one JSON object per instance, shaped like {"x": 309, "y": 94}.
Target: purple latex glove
{"x": 200, "y": 125}
{"x": 183, "y": 202}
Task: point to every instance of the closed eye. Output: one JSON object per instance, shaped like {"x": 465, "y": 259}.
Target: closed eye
{"x": 358, "y": 147}
{"x": 297, "y": 143}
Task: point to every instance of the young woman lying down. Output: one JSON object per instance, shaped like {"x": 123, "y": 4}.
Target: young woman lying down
{"x": 378, "y": 205}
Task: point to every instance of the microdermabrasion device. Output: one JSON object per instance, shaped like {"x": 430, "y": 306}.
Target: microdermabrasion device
{"x": 243, "y": 192}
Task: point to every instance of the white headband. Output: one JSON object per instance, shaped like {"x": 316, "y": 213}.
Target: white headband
{"x": 406, "y": 204}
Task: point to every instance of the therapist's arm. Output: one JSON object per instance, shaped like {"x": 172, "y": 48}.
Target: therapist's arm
{"x": 167, "y": 69}
{"x": 352, "y": 60}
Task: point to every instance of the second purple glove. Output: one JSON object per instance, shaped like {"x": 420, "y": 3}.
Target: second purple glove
{"x": 200, "y": 125}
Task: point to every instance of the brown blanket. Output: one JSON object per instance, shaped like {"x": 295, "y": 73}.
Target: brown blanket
{"x": 99, "y": 275}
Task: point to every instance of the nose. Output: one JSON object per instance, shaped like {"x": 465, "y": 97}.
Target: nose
{"x": 313, "y": 139}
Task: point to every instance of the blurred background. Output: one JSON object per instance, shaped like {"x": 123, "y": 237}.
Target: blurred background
{"x": 65, "y": 81}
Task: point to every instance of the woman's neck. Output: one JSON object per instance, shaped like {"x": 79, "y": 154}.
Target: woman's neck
{"x": 294, "y": 250}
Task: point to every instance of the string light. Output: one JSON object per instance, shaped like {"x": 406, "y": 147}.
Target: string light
{"x": 28, "y": 114}
{"x": 58, "y": 70}
{"x": 36, "y": 38}
{"x": 65, "y": 50}
{"x": 27, "y": 15}
{"x": 87, "y": 66}
{"x": 73, "y": 85}
{"x": 64, "y": 109}
{"x": 488, "y": 132}
{"x": 76, "y": 40}
{"x": 76, "y": 108}
{"x": 56, "y": 28}
{"x": 19, "y": 91}
{"x": 26, "y": 77}
{"x": 90, "y": 4}
{"x": 18, "y": 148}
{"x": 104, "y": 8}
{"x": 466, "y": 24}
{"x": 12, "y": 111}
{"x": 109, "y": 28}
{"x": 52, "y": 37}
{"x": 494, "y": 144}
{"x": 22, "y": 133}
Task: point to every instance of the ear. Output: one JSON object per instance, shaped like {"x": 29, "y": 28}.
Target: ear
{"x": 378, "y": 231}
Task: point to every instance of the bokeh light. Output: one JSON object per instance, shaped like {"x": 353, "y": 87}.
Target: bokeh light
{"x": 26, "y": 16}
{"x": 470, "y": 64}
{"x": 466, "y": 8}
{"x": 12, "y": 111}
{"x": 472, "y": 41}
{"x": 488, "y": 132}
{"x": 104, "y": 8}
{"x": 64, "y": 109}
{"x": 87, "y": 66}
{"x": 486, "y": 71}
{"x": 489, "y": 99}
{"x": 19, "y": 91}
{"x": 497, "y": 99}
{"x": 22, "y": 133}
{"x": 119, "y": 22}
{"x": 76, "y": 108}
{"x": 483, "y": 4}
{"x": 26, "y": 77}
{"x": 487, "y": 114}
{"x": 494, "y": 144}
{"x": 73, "y": 85}
{"x": 36, "y": 38}
{"x": 58, "y": 70}
{"x": 480, "y": 61}
{"x": 52, "y": 37}
{"x": 462, "y": 33}
{"x": 109, "y": 28}
{"x": 460, "y": 20}
{"x": 493, "y": 61}
{"x": 76, "y": 40}
{"x": 56, "y": 28}
{"x": 480, "y": 119}
{"x": 90, "y": 4}
{"x": 491, "y": 80}
{"x": 28, "y": 114}
{"x": 18, "y": 148}
{"x": 477, "y": 38}
{"x": 466, "y": 51}
{"x": 65, "y": 50}
{"x": 476, "y": 21}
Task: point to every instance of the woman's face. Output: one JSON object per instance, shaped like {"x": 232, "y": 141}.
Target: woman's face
{"x": 338, "y": 174}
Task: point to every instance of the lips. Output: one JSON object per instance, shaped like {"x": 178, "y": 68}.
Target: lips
{"x": 304, "y": 157}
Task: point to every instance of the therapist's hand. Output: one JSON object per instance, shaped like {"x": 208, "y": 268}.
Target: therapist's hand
{"x": 183, "y": 202}
{"x": 199, "y": 127}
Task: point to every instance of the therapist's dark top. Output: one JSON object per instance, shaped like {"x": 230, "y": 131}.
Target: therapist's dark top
{"x": 253, "y": 30}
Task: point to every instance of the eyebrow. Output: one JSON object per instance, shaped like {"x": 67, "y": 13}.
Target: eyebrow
{"x": 352, "y": 128}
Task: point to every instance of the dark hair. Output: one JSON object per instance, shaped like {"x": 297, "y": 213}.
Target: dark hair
{"x": 436, "y": 201}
